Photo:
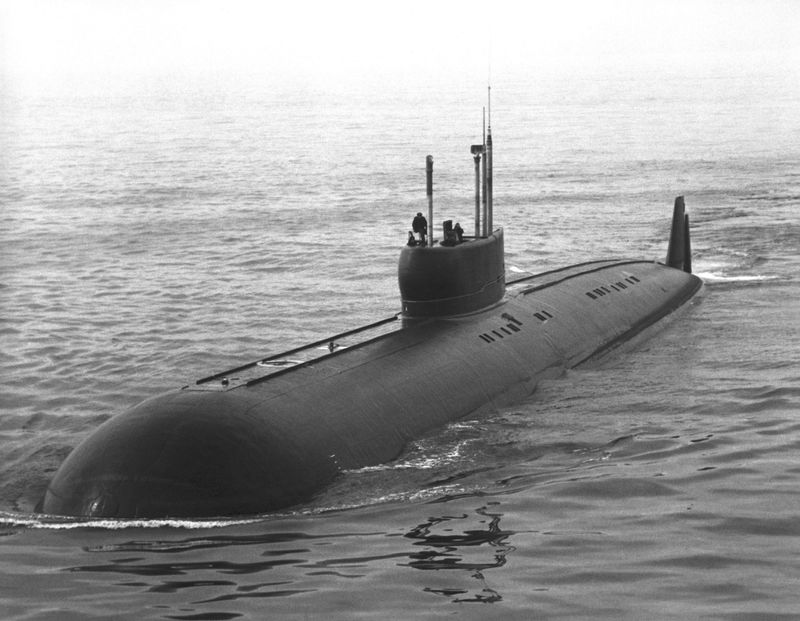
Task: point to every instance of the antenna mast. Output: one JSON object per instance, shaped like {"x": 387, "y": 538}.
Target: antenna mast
{"x": 488, "y": 167}
{"x": 483, "y": 178}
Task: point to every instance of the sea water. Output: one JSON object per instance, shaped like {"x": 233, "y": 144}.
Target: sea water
{"x": 154, "y": 234}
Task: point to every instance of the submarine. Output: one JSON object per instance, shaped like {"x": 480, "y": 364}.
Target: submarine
{"x": 269, "y": 434}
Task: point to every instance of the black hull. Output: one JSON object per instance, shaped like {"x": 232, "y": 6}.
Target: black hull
{"x": 271, "y": 433}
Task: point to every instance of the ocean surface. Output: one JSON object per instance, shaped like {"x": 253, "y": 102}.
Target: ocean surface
{"x": 153, "y": 234}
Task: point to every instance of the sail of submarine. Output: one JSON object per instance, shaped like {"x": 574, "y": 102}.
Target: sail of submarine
{"x": 271, "y": 433}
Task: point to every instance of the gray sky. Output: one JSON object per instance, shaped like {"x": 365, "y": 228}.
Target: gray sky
{"x": 64, "y": 40}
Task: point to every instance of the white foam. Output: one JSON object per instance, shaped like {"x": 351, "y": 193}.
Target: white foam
{"x": 48, "y": 522}
{"x": 419, "y": 463}
{"x": 722, "y": 277}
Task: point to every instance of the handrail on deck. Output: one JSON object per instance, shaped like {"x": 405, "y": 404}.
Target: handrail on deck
{"x": 289, "y": 352}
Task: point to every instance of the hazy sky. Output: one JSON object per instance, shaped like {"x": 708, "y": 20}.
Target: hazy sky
{"x": 47, "y": 40}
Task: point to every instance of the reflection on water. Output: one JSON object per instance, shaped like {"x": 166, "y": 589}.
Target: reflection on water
{"x": 128, "y": 566}
{"x": 453, "y": 550}
{"x": 472, "y": 543}
{"x": 199, "y": 543}
{"x": 446, "y": 552}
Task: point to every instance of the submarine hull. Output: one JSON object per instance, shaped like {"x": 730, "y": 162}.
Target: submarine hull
{"x": 270, "y": 434}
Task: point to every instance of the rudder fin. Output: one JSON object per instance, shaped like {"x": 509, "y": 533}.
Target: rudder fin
{"x": 679, "y": 251}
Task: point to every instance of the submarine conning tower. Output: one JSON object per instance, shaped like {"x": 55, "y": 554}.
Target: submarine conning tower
{"x": 459, "y": 274}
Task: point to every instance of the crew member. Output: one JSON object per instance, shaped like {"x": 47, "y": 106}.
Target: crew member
{"x": 420, "y": 226}
{"x": 459, "y": 232}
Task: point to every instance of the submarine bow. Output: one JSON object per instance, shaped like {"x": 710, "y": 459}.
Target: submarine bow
{"x": 186, "y": 454}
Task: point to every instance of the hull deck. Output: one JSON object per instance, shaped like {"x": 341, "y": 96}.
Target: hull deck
{"x": 274, "y": 365}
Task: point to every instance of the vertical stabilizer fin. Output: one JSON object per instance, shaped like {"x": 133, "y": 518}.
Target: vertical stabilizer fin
{"x": 687, "y": 246}
{"x": 679, "y": 250}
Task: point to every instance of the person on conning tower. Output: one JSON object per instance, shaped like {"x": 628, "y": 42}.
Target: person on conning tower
{"x": 420, "y": 226}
